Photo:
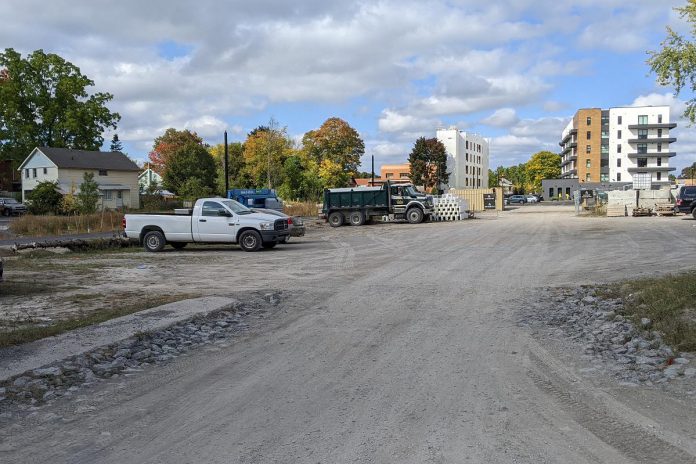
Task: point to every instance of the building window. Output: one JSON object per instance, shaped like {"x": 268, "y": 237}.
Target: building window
{"x": 604, "y": 177}
{"x": 659, "y": 147}
{"x": 659, "y": 119}
{"x": 103, "y": 172}
{"x": 642, "y": 148}
{"x": 467, "y": 181}
{"x": 466, "y": 144}
{"x": 618, "y": 162}
{"x": 466, "y": 156}
{"x": 643, "y": 119}
{"x": 589, "y": 135}
{"x": 404, "y": 175}
{"x": 589, "y": 121}
{"x": 588, "y": 177}
{"x": 618, "y": 177}
{"x": 588, "y": 149}
{"x": 390, "y": 175}
{"x": 642, "y": 134}
{"x": 604, "y": 163}
{"x": 659, "y": 161}
{"x": 620, "y": 119}
{"x": 618, "y": 148}
{"x": 107, "y": 195}
{"x": 466, "y": 169}
{"x": 642, "y": 162}
{"x": 659, "y": 176}
{"x": 26, "y": 173}
{"x": 618, "y": 135}
{"x": 659, "y": 133}
{"x": 588, "y": 163}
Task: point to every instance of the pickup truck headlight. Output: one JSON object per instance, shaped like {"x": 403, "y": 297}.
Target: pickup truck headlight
{"x": 266, "y": 226}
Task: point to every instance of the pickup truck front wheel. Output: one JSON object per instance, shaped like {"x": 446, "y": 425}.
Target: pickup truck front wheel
{"x": 154, "y": 241}
{"x": 250, "y": 240}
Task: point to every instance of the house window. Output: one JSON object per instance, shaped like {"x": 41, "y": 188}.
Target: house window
{"x": 33, "y": 173}
{"x": 618, "y": 148}
{"x": 45, "y": 171}
{"x": 618, "y": 135}
{"x": 26, "y": 173}
{"x": 589, "y": 135}
{"x": 659, "y": 119}
{"x": 659, "y": 176}
{"x": 119, "y": 194}
{"x": 643, "y": 119}
{"x": 589, "y": 121}
{"x": 588, "y": 149}
{"x": 620, "y": 119}
{"x": 107, "y": 195}
{"x": 659, "y": 161}
{"x": 588, "y": 163}
{"x": 103, "y": 172}
{"x": 642, "y": 148}
{"x": 642, "y": 134}
{"x": 618, "y": 162}
{"x": 618, "y": 177}
{"x": 642, "y": 162}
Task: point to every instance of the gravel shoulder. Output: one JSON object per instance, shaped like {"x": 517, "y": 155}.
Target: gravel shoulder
{"x": 392, "y": 343}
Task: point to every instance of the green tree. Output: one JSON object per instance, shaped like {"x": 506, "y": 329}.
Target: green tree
{"x": 336, "y": 148}
{"x": 688, "y": 172}
{"x": 493, "y": 179}
{"x": 542, "y": 165}
{"x": 265, "y": 152}
{"x": 166, "y": 144}
{"x": 236, "y": 173}
{"x": 88, "y": 196}
{"x": 193, "y": 188}
{"x": 45, "y": 198}
{"x": 428, "y": 160}
{"x": 675, "y": 63}
{"x": 192, "y": 161}
{"x": 44, "y": 102}
{"x": 116, "y": 144}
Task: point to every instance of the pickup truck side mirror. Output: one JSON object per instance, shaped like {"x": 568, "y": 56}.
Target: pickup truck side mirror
{"x": 224, "y": 213}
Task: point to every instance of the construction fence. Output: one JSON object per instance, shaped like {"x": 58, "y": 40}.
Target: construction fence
{"x": 476, "y": 198}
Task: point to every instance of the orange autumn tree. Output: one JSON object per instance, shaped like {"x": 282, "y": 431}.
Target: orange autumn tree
{"x": 165, "y": 145}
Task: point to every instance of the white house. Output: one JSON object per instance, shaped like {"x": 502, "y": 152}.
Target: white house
{"x": 149, "y": 178}
{"x": 116, "y": 175}
{"x": 467, "y": 158}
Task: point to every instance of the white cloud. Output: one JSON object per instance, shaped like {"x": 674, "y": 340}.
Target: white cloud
{"x": 504, "y": 117}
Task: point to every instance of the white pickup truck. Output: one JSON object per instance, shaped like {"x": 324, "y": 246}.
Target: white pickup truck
{"x": 212, "y": 220}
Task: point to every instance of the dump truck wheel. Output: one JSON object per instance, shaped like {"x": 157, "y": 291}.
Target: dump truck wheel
{"x": 154, "y": 241}
{"x": 336, "y": 219}
{"x": 357, "y": 218}
{"x": 414, "y": 215}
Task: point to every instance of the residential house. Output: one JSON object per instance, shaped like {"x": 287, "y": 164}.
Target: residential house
{"x": 148, "y": 178}
{"x": 114, "y": 172}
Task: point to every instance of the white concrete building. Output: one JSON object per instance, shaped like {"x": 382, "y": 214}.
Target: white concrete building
{"x": 467, "y": 158}
{"x": 640, "y": 145}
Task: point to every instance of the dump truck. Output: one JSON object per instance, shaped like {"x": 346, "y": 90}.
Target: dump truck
{"x": 355, "y": 206}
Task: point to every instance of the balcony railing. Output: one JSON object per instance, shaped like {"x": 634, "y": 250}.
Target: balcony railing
{"x": 654, "y": 140}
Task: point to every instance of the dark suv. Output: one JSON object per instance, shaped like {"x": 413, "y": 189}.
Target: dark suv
{"x": 686, "y": 200}
{"x": 10, "y": 207}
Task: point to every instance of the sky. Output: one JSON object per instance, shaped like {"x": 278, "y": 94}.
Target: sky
{"x": 511, "y": 70}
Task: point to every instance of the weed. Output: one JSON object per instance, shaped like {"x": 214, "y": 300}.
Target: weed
{"x": 31, "y": 225}
{"x": 304, "y": 209}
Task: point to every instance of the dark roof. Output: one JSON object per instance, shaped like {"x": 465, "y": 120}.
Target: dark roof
{"x": 67, "y": 158}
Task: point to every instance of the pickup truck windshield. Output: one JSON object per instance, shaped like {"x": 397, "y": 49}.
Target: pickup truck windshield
{"x": 236, "y": 207}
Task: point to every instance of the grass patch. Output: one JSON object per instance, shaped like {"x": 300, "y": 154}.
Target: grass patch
{"x": 669, "y": 302}
{"x": 30, "y": 334}
{"x": 30, "y": 225}
{"x": 303, "y": 209}
{"x": 24, "y": 288}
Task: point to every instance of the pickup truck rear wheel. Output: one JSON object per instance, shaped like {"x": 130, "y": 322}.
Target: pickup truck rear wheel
{"x": 178, "y": 245}
{"x": 356, "y": 218}
{"x": 250, "y": 240}
{"x": 414, "y": 215}
{"x": 154, "y": 241}
{"x": 336, "y": 219}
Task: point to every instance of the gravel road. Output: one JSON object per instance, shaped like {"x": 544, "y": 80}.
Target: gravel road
{"x": 395, "y": 344}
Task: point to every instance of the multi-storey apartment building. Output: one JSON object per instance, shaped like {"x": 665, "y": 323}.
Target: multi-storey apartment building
{"x": 629, "y": 144}
{"x": 467, "y": 158}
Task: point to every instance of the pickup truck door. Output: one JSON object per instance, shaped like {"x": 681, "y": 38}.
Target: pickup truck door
{"x": 215, "y": 224}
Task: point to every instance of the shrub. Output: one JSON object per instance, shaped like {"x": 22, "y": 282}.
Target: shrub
{"x": 45, "y": 198}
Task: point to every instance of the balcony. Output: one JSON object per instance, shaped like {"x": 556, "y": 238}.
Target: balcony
{"x": 569, "y": 148}
{"x": 670, "y": 125}
{"x": 662, "y": 154}
{"x": 569, "y": 174}
{"x": 569, "y": 160}
{"x": 568, "y": 136}
{"x": 651, "y": 169}
{"x": 654, "y": 140}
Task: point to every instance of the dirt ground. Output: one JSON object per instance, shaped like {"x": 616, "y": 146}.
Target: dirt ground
{"x": 396, "y": 343}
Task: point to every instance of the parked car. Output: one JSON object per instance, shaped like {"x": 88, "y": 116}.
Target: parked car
{"x": 686, "y": 200}
{"x": 295, "y": 224}
{"x": 11, "y": 207}
{"x": 517, "y": 199}
{"x": 531, "y": 199}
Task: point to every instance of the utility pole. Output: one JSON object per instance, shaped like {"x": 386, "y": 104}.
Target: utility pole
{"x": 373, "y": 170}
{"x": 227, "y": 162}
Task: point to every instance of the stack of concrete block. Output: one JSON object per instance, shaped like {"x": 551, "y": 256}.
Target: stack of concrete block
{"x": 449, "y": 208}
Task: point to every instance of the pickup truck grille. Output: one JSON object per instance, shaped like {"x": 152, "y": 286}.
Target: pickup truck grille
{"x": 281, "y": 225}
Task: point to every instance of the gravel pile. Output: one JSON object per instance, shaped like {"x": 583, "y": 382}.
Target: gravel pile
{"x": 632, "y": 352}
{"x": 126, "y": 357}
